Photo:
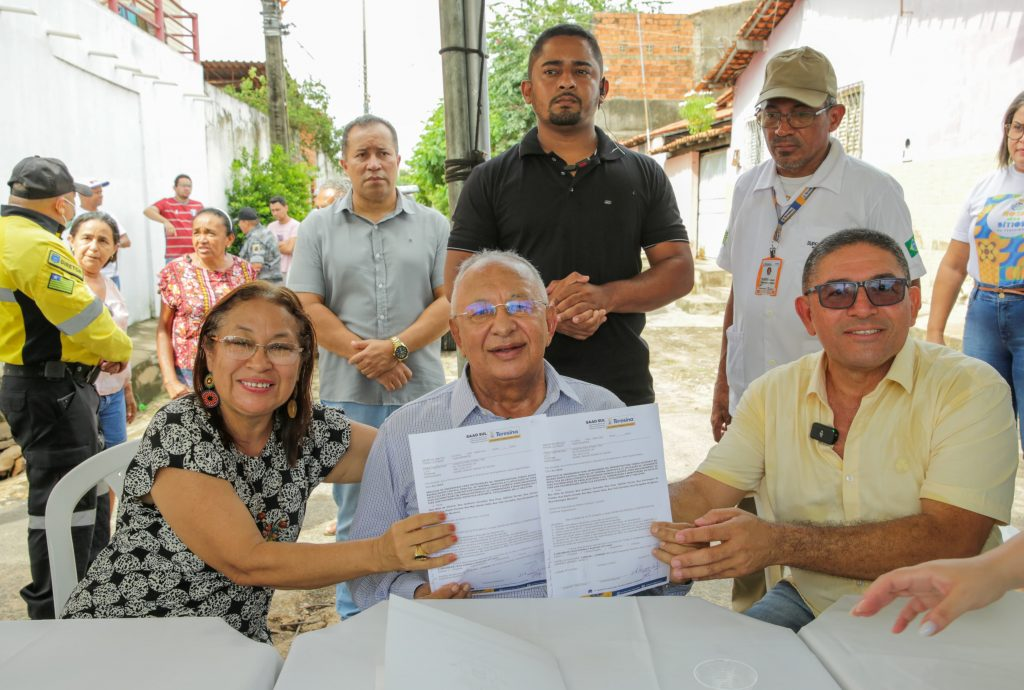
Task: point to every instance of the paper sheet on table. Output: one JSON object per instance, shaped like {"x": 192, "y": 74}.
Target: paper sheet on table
{"x": 429, "y": 649}
{"x": 483, "y": 478}
{"x": 601, "y": 483}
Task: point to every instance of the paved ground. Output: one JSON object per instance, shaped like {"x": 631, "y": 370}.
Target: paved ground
{"x": 685, "y": 348}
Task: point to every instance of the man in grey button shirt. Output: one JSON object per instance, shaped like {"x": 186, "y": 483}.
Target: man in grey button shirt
{"x": 369, "y": 270}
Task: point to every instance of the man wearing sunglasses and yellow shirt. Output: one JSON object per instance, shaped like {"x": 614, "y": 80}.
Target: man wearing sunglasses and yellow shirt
{"x": 879, "y": 452}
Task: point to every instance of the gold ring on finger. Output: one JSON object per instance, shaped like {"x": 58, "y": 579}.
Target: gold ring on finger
{"x": 419, "y": 554}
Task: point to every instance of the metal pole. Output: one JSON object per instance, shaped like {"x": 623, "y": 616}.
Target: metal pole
{"x": 643, "y": 81}
{"x": 466, "y": 121}
{"x": 366, "y": 84}
{"x": 276, "y": 86}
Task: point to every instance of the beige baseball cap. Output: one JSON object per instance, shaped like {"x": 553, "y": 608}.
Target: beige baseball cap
{"x": 803, "y": 74}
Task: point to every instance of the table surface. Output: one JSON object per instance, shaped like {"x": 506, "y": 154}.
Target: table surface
{"x": 682, "y": 634}
{"x": 155, "y": 653}
{"x": 981, "y": 649}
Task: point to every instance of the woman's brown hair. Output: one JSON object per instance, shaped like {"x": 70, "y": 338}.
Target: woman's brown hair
{"x": 292, "y": 430}
{"x": 1004, "y": 144}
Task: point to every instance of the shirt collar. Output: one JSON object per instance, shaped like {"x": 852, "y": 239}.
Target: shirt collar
{"x": 829, "y": 174}
{"x": 901, "y": 371}
{"x": 402, "y": 205}
{"x": 464, "y": 401}
{"x": 47, "y": 223}
{"x": 607, "y": 149}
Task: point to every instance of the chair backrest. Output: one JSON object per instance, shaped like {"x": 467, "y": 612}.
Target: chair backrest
{"x": 109, "y": 466}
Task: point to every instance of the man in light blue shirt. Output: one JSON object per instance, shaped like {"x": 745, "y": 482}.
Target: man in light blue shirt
{"x": 502, "y": 323}
{"x": 369, "y": 270}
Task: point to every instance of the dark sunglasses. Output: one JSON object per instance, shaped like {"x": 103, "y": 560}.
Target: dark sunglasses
{"x": 841, "y": 294}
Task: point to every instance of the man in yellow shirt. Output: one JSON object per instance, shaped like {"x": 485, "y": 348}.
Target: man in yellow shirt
{"x": 55, "y": 337}
{"x": 880, "y": 452}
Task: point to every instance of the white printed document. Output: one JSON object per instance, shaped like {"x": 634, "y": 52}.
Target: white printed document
{"x": 567, "y": 501}
{"x": 483, "y": 478}
{"x": 601, "y": 484}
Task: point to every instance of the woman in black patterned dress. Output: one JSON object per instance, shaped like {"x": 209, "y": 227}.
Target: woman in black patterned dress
{"x": 217, "y": 491}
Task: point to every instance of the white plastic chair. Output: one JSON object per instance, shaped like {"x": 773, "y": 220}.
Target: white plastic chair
{"x": 108, "y": 466}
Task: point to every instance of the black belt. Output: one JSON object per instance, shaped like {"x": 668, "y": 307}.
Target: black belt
{"x": 83, "y": 373}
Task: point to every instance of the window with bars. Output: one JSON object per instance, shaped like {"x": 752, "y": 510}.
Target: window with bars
{"x": 850, "y": 132}
{"x": 755, "y": 144}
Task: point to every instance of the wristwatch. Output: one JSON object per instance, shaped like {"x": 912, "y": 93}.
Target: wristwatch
{"x": 400, "y": 351}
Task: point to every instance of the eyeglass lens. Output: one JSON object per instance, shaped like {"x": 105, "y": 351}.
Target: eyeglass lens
{"x": 881, "y": 292}
{"x": 479, "y": 311}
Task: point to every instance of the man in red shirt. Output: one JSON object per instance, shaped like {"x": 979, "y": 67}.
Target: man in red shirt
{"x": 175, "y": 213}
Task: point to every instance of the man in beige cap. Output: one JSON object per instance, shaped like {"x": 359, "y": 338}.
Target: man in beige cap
{"x": 781, "y": 209}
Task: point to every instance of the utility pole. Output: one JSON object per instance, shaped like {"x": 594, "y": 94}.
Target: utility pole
{"x": 464, "y": 66}
{"x": 366, "y": 83}
{"x": 277, "y": 89}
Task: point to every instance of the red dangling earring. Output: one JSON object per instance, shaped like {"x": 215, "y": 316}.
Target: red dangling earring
{"x": 209, "y": 396}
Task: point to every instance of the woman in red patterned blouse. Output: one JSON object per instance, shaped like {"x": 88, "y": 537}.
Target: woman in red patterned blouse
{"x": 189, "y": 287}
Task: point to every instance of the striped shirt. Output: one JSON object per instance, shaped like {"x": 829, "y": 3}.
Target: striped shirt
{"x": 180, "y": 215}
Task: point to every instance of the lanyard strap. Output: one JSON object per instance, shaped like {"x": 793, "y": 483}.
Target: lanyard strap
{"x": 786, "y": 214}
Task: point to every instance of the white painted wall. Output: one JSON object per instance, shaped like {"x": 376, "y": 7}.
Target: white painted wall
{"x": 137, "y": 119}
{"x": 941, "y": 76}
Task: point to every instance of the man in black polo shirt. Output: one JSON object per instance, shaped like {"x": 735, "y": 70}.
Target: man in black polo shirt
{"x": 580, "y": 207}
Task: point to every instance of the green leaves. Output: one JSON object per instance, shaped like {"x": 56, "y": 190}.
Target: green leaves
{"x": 253, "y": 182}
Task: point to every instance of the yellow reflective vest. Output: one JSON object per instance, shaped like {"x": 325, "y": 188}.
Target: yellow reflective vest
{"x": 47, "y": 312}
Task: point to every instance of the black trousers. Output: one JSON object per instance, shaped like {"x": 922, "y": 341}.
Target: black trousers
{"x": 54, "y": 421}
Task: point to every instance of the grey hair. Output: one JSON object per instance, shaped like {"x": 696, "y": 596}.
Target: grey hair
{"x": 510, "y": 260}
{"x": 340, "y": 186}
{"x": 846, "y": 238}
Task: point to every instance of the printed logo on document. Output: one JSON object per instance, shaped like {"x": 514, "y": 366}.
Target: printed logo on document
{"x": 506, "y": 435}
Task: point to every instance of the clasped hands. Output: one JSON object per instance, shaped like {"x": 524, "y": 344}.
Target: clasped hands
{"x": 725, "y": 542}
{"x": 581, "y": 307}
{"x": 375, "y": 359}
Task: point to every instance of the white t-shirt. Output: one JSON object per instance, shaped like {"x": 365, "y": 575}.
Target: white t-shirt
{"x": 992, "y": 223}
{"x": 282, "y": 233}
{"x": 766, "y": 331}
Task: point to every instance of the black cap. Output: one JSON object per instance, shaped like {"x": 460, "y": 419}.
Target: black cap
{"x": 247, "y": 213}
{"x": 36, "y": 177}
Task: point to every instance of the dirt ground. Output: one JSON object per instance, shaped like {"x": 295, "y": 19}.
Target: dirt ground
{"x": 684, "y": 358}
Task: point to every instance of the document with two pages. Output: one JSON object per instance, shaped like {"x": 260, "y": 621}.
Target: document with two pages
{"x": 565, "y": 502}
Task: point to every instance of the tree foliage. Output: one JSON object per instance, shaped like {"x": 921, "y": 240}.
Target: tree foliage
{"x": 514, "y": 27}
{"x": 308, "y": 102}
{"x": 253, "y": 182}
{"x": 696, "y": 112}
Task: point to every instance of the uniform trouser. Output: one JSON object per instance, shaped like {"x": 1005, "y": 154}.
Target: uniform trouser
{"x": 54, "y": 422}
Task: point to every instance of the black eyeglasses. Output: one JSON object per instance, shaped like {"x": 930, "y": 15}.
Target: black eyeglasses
{"x": 480, "y": 312}
{"x": 1014, "y": 131}
{"x": 798, "y": 119}
{"x": 841, "y": 294}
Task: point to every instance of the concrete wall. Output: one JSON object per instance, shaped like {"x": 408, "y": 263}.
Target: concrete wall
{"x": 137, "y": 119}
{"x": 940, "y": 76}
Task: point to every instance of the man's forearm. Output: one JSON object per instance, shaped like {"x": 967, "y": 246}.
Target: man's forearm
{"x": 665, "y": 281}
{"x": 331, "y": 332}
{"x": 429, "y": 327}
{"x": 869, "y": 550}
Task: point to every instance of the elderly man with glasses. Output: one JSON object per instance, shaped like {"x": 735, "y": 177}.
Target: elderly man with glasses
{"x": 808, "y": 189}
{"x": 879, "y": 452}
{"x": 502, "y": 322}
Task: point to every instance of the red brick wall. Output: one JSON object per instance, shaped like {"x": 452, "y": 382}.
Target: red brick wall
{"x": 668, "y": 54}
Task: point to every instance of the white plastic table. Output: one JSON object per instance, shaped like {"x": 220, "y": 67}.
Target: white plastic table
{"x": 981, "y": 649}
{"x": 152, "y": 653}
{"x": 682, "y": 634}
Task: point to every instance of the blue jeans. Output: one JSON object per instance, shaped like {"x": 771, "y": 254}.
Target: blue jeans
{"x": 994, "y": 333}
{"x": 113, "y": 420}
{"x": 782, "y": 605}
{"x": 346, "y": 496}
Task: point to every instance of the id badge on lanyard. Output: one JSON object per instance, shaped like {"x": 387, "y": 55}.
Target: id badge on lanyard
{"x": 769, "y": 273}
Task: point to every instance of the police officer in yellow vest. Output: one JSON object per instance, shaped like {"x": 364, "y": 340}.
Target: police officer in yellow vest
{"x": 55, "y": 338}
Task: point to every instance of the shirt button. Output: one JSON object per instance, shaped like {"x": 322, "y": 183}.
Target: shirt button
{"x": 377, "y": 255}
{"x": 380, "y": 285}
{"x": 849, "y": 477}
{"x": 380, "y": 317}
